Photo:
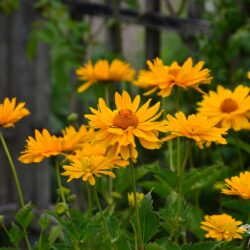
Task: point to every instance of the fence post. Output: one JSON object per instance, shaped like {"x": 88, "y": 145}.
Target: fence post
{"x": 114, "y": 40}
{"x": 152, "y": 35}
{"x": 29, "y": 82}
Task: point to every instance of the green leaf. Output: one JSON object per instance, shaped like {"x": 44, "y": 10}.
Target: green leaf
{"x": 241, "y": 144}
{"x": 149, "y": 221}
{"x": 54, "y": 233}
{"x": 199, "y": 178}
{"x": 15, "y": 234}
{"x": 25, "y": 215}
{"x": 44, "y": 221}
{"x": 195, "y": 216}
{"x": 206, "y": 245}
{"x": 154, "y": 246}
{"x": 166, "y": 244}
{"x": 113, "y": 226}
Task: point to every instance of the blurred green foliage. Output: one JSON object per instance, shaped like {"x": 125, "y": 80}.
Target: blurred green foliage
{"x": 9, "y": 6}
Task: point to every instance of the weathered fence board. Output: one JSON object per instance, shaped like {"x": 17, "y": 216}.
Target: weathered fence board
{"x": 148, "y": 19}
{"x": 29, "y": 82}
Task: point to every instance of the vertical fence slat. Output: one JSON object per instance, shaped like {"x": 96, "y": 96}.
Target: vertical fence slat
{"x": 29, "y": 82}
{"x": 152, "y": 36}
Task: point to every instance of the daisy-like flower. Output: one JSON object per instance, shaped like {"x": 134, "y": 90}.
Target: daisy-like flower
{"x": 117, "y": 129}
{"x": 222, "y": 227}
{"x": 90, "y": 149}
{"x": 230, "y": 108}
{"x": 102, "y": 71}
{"x": 10, "y": 112}
{"x": 196, "y": 127}
{"x": 164, "y": 78}
{"x": 73, "y": 140}
{"x": 88, "y": 168}
{"x": 238, "y": 185}
{"x": 44, "y": 145}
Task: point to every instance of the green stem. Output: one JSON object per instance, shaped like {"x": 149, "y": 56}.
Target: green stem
{"x": 13, "y": 169}
{"x": 180, "y": 175}
{"x": 19, "y": 190}
{"x": 137, "y": 218}
{"x": 103, "y": 217}
{"x": 178, "y": 155}
{"x": 110, "y": 179}
{"x": 59, "y": 182}
{"x": 179, "y": 188}
{"x": 239, "y": 151}
{"x": 90, "y": 204}
{"x": 40, "y": 240}
{"x": 170, "y": 143}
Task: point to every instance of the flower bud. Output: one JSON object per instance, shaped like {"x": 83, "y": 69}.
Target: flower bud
{"x": 1, "y": 219}
{"x": 72, "y": 118}
{"x": 131, "y": 200}
{"x": 61, "y": 208}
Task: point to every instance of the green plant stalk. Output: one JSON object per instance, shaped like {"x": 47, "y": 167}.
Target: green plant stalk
{"x": 12, "y": 168}
{"x": 180, "y": 176}
{"x": 178, "y": 155}
{"x": 103, "y": 217}
{"x": 19, "y": 190}
{"x": 110, "y": 179}
{"x": 7, "y": 233}
{"x": 75, "y": 243}
{"x": 137, "y": 218}
{"x": 59, "y": 182}
{"x": 239, "y": 151}
{"x": 90, "y": 203}
{"x": 180, "y": 184}
{"x": 170, "y": 143}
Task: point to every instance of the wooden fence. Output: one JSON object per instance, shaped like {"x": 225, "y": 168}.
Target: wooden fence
{"x": 29, "y": 81}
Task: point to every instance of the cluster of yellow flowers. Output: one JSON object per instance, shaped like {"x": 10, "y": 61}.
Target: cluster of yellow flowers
{"x": 223, "y": 226}
{"x": 110, "y": 139}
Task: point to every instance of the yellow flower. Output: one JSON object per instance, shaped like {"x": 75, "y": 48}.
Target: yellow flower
{"x": 238, "y": 185}
{"x": 102, "y": 71}
{"x": 89, "y": 149}
{"x": 88, "y": 168}
{"x": 42, "y": 146}
{"x": 117, "y": 129}
{"x": 222, "y": 227}
{"x": 230, "y": 108}
{"x": 131, "y": 199}
{"x": 164, "y": 78}
{"x": 45, "y": 145}
{"x": 248, "y": 75}
{"x": 73, "y": 139}
{"x": 196, "y": 127}
{"x": 11, "y": 113}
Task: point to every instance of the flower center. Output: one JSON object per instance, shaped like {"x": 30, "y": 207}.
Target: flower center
{"x": 125, "y": 118}
{"x": 228, "y": 105}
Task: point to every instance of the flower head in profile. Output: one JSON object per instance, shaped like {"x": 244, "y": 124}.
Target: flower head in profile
{"x": 74, "y": 139}
{"x": 11, "y": 112}
{"x": 131, "y": 199}
{"x": 196, "y": 127}
{"x": 230, "y": 108}
{"x": 238, "y": 185}
{"x": 90, "y": 149}
{"x": 118, "y": 129}
{"x": 222, "y": 227}
{"x": 103, "y": 71}
{"x": 43, "y": 145}
{"x": 164, "y": 78}
{"x": 89, "y": 167}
